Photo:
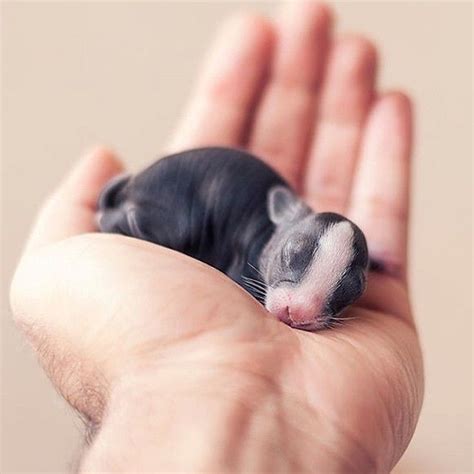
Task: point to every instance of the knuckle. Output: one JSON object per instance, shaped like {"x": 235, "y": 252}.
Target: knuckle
{"x": 220, "y": 88}
{"x": 381, "y": 208}
{"x": 328, "y": 193}
{"x": 293, "y": 77}
{"x": 270, "y": 150}
{"x": 329, "y": 184}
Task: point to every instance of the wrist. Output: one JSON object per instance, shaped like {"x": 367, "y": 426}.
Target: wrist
{"x": 204, "y": 420}
{"x": 187, "y": 420}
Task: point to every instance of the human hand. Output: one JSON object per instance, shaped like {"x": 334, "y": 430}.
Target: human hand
{"x": 127, "y": 329}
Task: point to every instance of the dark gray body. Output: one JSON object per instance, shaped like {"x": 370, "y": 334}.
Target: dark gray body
{"x": 230, "y": 210}
{"x": 207, "y": 203}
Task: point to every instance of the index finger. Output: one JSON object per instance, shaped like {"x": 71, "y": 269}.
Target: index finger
{"x": 233, "y": 74}
{"x": 70, "y": 209}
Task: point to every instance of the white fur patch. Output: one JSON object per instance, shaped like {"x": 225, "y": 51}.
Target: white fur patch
{"x": 332, "y": 258}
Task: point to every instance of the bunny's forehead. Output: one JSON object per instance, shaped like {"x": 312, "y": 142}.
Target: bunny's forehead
{"x": 321, "y": 247}
{"x": 331, "y": 260}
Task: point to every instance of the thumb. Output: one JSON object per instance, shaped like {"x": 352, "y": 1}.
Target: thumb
{"x": 71, "y": 208}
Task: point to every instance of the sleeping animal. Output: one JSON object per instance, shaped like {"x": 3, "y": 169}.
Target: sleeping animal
{"x": 230, "y": 210}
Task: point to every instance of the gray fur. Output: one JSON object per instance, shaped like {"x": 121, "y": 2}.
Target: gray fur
{"x": 230, "y": 210}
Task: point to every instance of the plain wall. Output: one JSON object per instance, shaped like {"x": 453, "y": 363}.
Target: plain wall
{"x": 79, "y": 73}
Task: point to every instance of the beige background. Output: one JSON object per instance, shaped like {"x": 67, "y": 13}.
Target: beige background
{"x": 76, "y": 74}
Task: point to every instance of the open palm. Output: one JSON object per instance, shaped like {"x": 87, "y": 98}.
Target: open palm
{"x": 306, "y": 103}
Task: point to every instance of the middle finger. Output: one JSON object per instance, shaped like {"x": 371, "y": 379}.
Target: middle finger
{"x": 284, "y": 119}
{"x": 346, "y": 97}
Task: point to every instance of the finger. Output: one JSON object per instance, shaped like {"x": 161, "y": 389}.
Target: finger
{"x": 70, "y": 209}
{"x": 231, "y": 81}
{"x": 347, "y": 93}
{"x": 380, "y": 198}
{"x": 284, "y": 120}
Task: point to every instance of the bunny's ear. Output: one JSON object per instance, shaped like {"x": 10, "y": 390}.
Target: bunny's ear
{"x": 284, "y": 206}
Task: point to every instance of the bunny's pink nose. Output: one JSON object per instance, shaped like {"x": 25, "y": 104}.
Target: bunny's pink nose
{"x": 288, "y": 308}
{"x": 302, "y": 312}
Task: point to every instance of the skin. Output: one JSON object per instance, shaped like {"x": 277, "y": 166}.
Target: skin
{"x": 203, "y": 379}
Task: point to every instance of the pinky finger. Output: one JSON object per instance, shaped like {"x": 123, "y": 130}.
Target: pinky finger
{"x": 380, "y": 196}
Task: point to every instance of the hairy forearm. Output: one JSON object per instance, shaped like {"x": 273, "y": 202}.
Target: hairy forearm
{"x": 189, "y": 421}
{"x": 213, "y": 421}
